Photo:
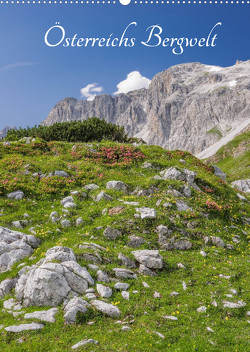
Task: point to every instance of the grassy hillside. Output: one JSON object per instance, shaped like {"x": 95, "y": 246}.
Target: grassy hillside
{"x": 200, "y": 281}
{"x": 234, "y": 157}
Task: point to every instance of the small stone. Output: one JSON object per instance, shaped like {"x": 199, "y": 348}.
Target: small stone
{"x": 145, "y": 284}
{"x": 103, "y": 196}
{"x": 126, "y": 328}
{"x": 204, "y": 254}
{"x": 104, "y": 291}
{"x": 44, "y": 315}
{"x": 125, "y": 294}
{"x": 146, "y": 213}
{"x": 170, "y": 317}
{"x": 65, "y": 223}
{"x": 102, "y": 276}
{"x": 129, "y": 263}
{"x": 117, "y": 186}
{"x": 209, "y": 329}
{"x": 24, "y": 327}
{"x": 84, "y": 343}
{"x": 150, "y": 258}
{"x": 174, "y": 293}
{"x": 124, "y": 273}
{"x": 79, "y": 221}
{"x": 106, "y": 308}
{"x": 111, "y": 234}
{"x": 121, "y": 286}
{"x": 135, "y": 241}
{"x": 181, "y": 266}
{"x": 91, "y": 187}
{"x": 239, "y": 304}
{"x": 156, "y": 295}
{"x": 61, "y": 173}
{"x": 201, "y": 309}
{"x": 17, "y": 195}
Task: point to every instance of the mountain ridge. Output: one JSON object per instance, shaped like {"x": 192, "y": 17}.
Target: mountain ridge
{"x": 188, "y": 106}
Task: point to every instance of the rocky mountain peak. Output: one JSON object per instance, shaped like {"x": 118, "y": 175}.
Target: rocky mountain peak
{"x": 189, "y": 106}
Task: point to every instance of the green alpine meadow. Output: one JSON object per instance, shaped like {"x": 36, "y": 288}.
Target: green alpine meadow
{"x": 115, "y": 245}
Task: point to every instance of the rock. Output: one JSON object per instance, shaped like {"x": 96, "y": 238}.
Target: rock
{"x": 117, "y": 186}
{"x": 169, "y": 317}
{"x": 111, "y": 234}
{"x": 24, "y": 327}
{"x": 132, "y": 203}
{"x": 18, "y": 224}
{"x": 125, "y": 295}
{"x": 150, "y": 258}
{"x": 145, "y": 284}
{"x": 104, "y": 291}
{"x": 44, "y": 315}
{"x": 103, "y": 196}
{"x": 183, "y": 245}
{"x": 75, "y": 305}
{"x": 106, "y": 308}
{"x": 12, "y": 304}
{"x": 217, "y": 241}
{"x": 121, "y": 286}
{"x": 61, "y": 173}
{"x": 218, "y": 172}
{"x": 79, "y": 221}
{"x": 102, "y": 276}
{"x": 126, "y": 328}
{"x": 186, "y": 191}
{"x": 15, "y": 246}
{"x": 17, "y": 195}
{"x": 135, "y": 241}
{"x": 239, "y": 304}
{"x": 6, "y": 286}
{"x": 202, "y": 309}
{"x": 172, "y": 174}
{"x": 65, "y": 223}
{"x": 91, "y": 187}
{"x": 146, "y": 213}
{"x": 48, "y": 283}
{"x": 124, "y": 273}
{"x": 241, "y": 197}
{"x": 174, "y": 293}
{"x": 143, "y": 270}
{"x": 163, "y": 113}
{"x": 242, "y": 185}
{"x": 126, "y": 261}
{"x": 61, "y": 254}
{"x": 68, "y": 202}
{"x": 147, "y": 165}
{"x": 182, "y": 206}
{"x": 116, "y": 210}
{"x": 181, "y": 266}
{"x": 204, "y": 254}
{"x": 84, "y": 343}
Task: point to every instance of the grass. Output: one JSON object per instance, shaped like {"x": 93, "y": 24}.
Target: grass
{"x": 215, "y": 131}
{"x": 234, "y": 158}
{"x": 144, "y": 312}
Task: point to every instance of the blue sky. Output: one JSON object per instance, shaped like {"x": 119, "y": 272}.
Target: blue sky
{"x": 33, "y": 76}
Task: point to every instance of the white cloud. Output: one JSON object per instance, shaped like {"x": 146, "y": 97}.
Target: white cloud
{"x": 89, "y": 92}
{"x": 17, "y": 64}
{"x": 133, "y": 81}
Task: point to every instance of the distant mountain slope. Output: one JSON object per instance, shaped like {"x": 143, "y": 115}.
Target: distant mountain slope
{"x": 3, "y": 133}
{"x": 189, "y": 106}
{"x": 234, "y": 157}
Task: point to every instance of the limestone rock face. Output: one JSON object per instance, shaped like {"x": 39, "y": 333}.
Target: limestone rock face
{"x": 242, "y": 185}
{"x": 15, "y": 246}
{"x": 49, "y": 283}
{"x": 188, "y": 106}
